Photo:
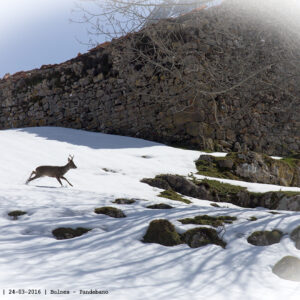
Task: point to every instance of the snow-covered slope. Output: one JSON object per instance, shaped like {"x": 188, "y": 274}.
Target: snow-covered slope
{"x": 111, "y": 256}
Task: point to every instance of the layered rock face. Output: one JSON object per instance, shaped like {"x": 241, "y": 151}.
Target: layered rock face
{"x": 252, "y": 167}
{"x": 213, "y": 79}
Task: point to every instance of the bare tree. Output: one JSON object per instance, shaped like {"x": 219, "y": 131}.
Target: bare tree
{"x": 204, "y": 56}
{"x": 113, "y": 18}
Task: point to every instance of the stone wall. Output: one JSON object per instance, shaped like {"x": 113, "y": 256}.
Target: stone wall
{"x": 209, "y": 80}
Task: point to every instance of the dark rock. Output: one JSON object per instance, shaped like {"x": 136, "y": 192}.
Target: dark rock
{"x": 199, "y": 237}
{"x": 110, "y": 211}
{"x": 237, "y": 147}
{"x": 160, "y": 206}
{"x": 63, "y": 233}
{"x": 265, "y": 238}
{"x": 225, "y": 164}
{"x": 288, "y": 202}
{"x": 124, "y": 201}
{"x": 205, "y": 157}
{"x": 178, "y": 184}
{"x": 16, "y": 213}
{"x": 295, "y": 236}
{"x": 157, "y": 182}
{"x": 162, "y": 232}
{"x": 288, "y": 268}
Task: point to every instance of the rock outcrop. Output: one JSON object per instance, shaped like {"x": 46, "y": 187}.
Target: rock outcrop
{"x": 253, "y": 167}
{"x": 222, "y": 192}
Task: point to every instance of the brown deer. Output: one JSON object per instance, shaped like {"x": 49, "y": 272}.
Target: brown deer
{"x": 53, "y": 171}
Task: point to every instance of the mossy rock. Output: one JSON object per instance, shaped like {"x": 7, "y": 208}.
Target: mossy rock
{"x": 16, "y": 213}
{"x": 208, "y": 220}
{"x": 288, "y": 268}
{"x": 217, "y": 191}
{"x": 63, "y": 233}
{"x": 295, "y": 236}
{"x": 252, "y": 219}
{"x": 240, "y": 166}
{"x": 218, "y": 167}
{"x": 202, "y": 236}
{"x": 124, "y": 201}
{"x": 157, "y": 182}
{"x": 160, "y": 206}
{"x": 162, "y": 232}
{"x": 221, "y": 188}
{"x": 110, "y": 211}
{"x": 265, "y": 238}
{"x": 170, "y": 194}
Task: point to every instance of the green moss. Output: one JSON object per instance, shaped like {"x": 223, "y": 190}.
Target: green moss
{"x": 290, "y": 161}
{"x": 223, "y": 188}
{"x": 198, "y": 237}
{"x": 295, "y": 155}
{"x": 62, "y": 233}
{"x": 162, "y": 232}
{"x": 208, "y": 220}
{"x": 252, "y": 219}
{"x": 110, "y": 211}
{"x": 16, "y": 213}
{"x": 290, "y": 193}
{"x": 211, "y": 169}
{"x": 170, "y": 194}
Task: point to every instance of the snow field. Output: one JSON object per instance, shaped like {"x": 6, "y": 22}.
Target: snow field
{"x": 111, "y": 256}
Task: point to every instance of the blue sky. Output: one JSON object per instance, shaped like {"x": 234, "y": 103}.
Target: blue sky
{"x": 37, "y": 32}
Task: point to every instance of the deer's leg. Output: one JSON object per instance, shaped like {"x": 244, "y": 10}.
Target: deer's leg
{"x": 62, "y": 177}
{"x": 33, "y": 178}
{"x": 58, "y": 179}
{"x": 29, "y": 179}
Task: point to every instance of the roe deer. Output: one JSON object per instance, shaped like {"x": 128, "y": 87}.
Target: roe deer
{"x": 53, "y": 171}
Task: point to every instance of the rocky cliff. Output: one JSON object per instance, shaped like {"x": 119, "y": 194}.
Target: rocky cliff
{"x": 213, "y": 79}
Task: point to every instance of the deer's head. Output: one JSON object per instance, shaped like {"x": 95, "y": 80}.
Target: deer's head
{"x": 71, "y": 163}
